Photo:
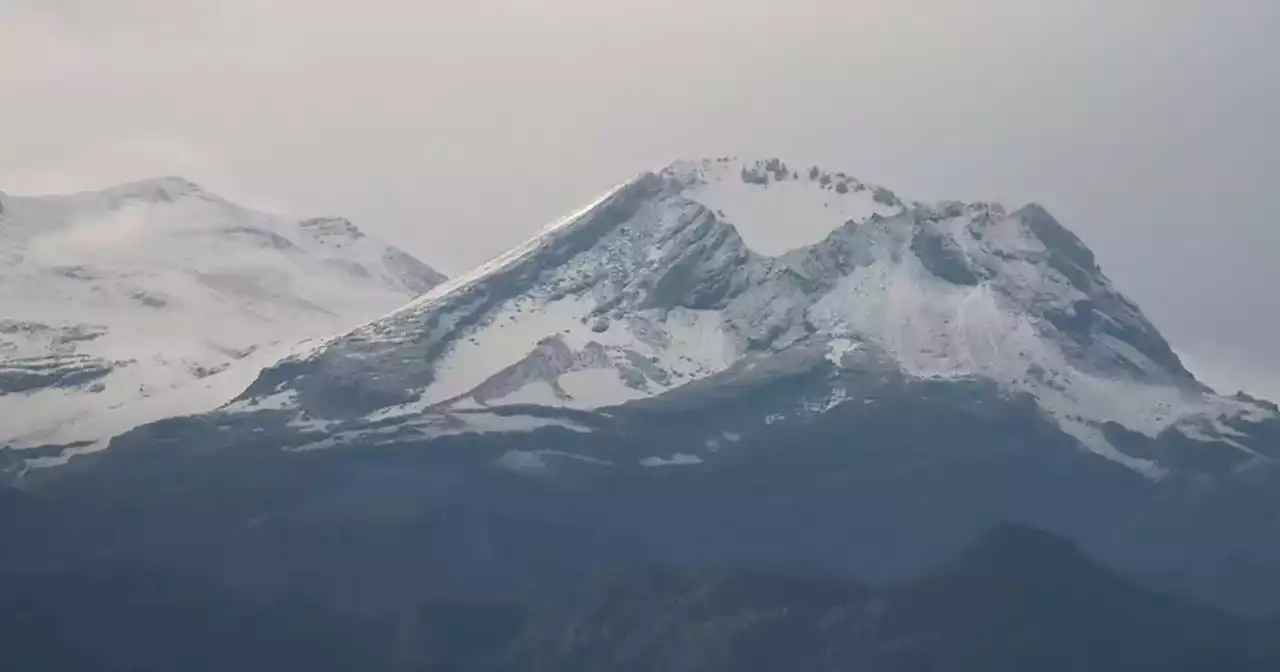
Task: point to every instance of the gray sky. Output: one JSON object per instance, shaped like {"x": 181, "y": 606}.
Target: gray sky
{"x": 456, "y": 128}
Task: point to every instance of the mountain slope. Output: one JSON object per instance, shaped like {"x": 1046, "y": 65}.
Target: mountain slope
{"x": 639, "y": 381}
{"x": 112, "y": 620}
{"x": 1017, "y": 599}
{"x": 157, "y": 298}
{"x": 711, "y": 270}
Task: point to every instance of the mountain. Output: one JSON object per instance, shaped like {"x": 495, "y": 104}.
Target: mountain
{"x": 117, "y": 620}
{"x": 1016, "y": 599}
{"x": 725, "y": 362}
{"x": 156, "y": 298}
{"x": 717, "y": 273}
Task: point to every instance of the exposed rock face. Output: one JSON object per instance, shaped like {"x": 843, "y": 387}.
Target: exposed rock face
{"x": 58, "y": 371}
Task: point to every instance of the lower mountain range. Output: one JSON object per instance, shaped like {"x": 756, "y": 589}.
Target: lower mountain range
{"x": 1015, "y": 599}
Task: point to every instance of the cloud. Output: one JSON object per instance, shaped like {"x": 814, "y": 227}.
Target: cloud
{"x": 103, "y": 237}
{"x": 62, "y": 42}
{"x": 133, "y": 158}
{"x": 113, "y": 162}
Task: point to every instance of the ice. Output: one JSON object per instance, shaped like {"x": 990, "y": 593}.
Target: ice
{"x": 276, "y": 402}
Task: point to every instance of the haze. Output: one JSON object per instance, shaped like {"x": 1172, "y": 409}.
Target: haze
{"x": 456, "y": 129}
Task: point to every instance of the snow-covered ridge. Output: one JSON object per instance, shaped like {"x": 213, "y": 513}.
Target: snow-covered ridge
{"x": 777, "y": 208}
{"x": 718, "y": 266}
{"x": 157, "y": 298}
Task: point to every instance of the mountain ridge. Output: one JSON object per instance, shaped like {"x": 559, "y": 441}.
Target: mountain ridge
{"x": 156, "y": 298}
{"x": 657, "y": 285}
{"x": 1061, "y": 612}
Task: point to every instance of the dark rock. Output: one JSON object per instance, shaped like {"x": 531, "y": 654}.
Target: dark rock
{"x": 940, "y": 255}
{"x": 755, "y": 176}
{"x": 58, "y": 371}
{"x": 885, "y": 197}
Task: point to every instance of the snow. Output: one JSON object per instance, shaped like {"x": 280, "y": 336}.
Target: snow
{"x": 698, "y": 343}
{"x": 520, "y": 460}
{"x": 935, "y": 329}
{"x": 512, "y": 332}
{"x": 677, "y": 460}
{"x": 437, "y": 424}
{"x": 187, "y": 297}
{"x": 512, "y": 256}
{"x": 482, "y": 423}
{"x": 132, "y": 395}
{"x": 277, "y": 402}
{"x": 537, "y": 393}
{"x": 837, "y": 396}
{"x": 598, "y": 388}
{"x": 307, "y": 424}
{"x": 1091, "y": 437}
{"x": 1196, "y": 433}
{"x": 838, "y": 348}
{"x": 691, "y": 344}
{"x": 594, "y": 330}
{"x": 785, "y": 214}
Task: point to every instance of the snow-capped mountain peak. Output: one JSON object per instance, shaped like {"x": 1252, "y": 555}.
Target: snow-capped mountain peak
{"x": 157, "y": 298}
{"x": 716, "y": 269}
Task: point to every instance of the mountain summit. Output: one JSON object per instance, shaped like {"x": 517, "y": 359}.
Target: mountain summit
{"x": 156, "y": 298}
{"x": 712, "y": 272}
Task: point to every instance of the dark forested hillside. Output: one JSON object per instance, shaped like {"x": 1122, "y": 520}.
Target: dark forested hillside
{"x": 1017, "y": 599}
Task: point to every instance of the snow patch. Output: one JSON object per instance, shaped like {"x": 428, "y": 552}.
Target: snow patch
{"x": 537, "y": 393}
{"x": 598, "y": 388}
{"x": 677, "y": 460}
{"x": 436, "y": 425}
{"x": 277, "y": 402}
{"x": 784, "y": 215}
{"x": 537, "y": 459}
{"x": 838, "y": 348}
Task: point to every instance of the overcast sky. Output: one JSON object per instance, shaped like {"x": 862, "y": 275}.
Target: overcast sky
{"x": 455, "y": 129}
